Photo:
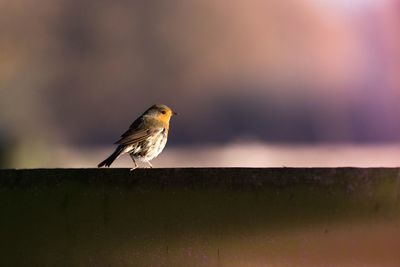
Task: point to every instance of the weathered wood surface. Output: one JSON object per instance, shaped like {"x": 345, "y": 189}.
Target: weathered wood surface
{"x": 204, "y": 177}
{"x": 200, "y": 217}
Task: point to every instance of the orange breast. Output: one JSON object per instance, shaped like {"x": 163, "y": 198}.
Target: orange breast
{"x": 165, "y": 118}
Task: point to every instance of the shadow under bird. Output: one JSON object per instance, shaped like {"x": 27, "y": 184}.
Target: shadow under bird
{"x": 146, "y": 137}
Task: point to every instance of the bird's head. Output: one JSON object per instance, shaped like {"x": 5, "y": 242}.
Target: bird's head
{"x": 161, "y": 112}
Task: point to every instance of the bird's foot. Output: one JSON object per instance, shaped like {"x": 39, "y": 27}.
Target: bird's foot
{"x": 150, "y": 166}
{"x": 134, "y": 168}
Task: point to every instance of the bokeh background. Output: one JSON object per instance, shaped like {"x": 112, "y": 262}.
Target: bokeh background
{"x": 256, "y": 83}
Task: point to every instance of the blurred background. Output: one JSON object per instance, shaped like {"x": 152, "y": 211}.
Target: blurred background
{"x": 256, "y": 83}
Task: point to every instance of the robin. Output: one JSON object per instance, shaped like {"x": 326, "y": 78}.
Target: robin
{"x": 145, "y": 138}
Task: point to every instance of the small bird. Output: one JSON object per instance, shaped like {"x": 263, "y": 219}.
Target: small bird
{"x": 145, "y": 138}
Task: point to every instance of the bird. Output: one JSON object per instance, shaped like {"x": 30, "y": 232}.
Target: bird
{"x": 146, "y": 137}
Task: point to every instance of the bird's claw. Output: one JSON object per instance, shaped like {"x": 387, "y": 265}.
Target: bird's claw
{"x": 134, "y": 168}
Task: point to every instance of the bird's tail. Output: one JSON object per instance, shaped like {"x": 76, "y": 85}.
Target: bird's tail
{"x": 108, "y": 161}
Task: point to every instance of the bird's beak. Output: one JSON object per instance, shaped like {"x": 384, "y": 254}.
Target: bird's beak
{"x": 175, "y": 113}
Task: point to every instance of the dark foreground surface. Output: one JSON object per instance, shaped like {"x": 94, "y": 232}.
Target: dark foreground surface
{"x": 200, "y": 217}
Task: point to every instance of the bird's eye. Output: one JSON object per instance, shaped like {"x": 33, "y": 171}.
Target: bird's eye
{"x": 163, "y": 112}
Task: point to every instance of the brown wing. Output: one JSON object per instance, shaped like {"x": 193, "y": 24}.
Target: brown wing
{"x": 138, "y": 132}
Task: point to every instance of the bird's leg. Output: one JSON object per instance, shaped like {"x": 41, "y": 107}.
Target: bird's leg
{"x": 148, "y": 162}
{"x": 134, "y": 162}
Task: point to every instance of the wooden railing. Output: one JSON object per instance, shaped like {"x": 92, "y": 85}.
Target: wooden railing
{"x": 200, "y": 217}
